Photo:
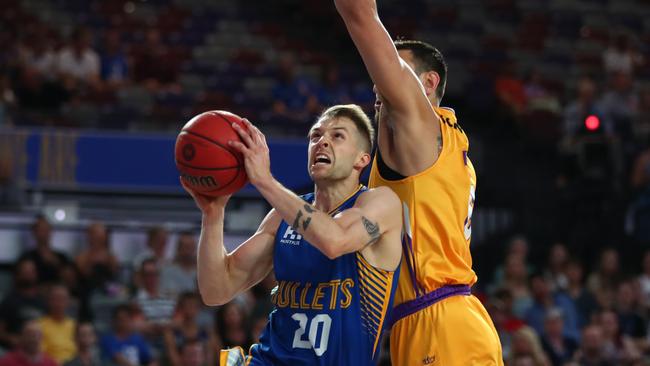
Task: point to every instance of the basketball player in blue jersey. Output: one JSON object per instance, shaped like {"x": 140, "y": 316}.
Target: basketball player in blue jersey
{"x": 335, "y": 252}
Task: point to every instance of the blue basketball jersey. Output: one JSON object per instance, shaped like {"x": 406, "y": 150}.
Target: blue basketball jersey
{"x": 327, "y": 312}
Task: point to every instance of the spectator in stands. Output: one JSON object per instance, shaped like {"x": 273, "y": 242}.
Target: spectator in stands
{"x": 39, "y": 100}
{"x": 516, "y": 281}
{"x": 23, "y": 303}
{"x": 87, "y": 351}
{"x": 642, "y": 121}
{"x": 617, "y": 347}
{"x": 638, "y": 213}
{"x": 293, "y": 96}
{"x": 96, "y": 263}
{"x": 620, "y": 56}
{"x": 592, "y": 352}
{"x": 49, "y": 262}
{"x": 7, "y": 100}
{"x": 517, "y": 247}
{"x": 621, "y": 103}
{"x": 37, "y": 55}
{"x": 538, "y": 97}
{"x": 258, "y": 323}
{"x": 157, "y": 307}
{"x": 290, "y": 90}
{"x": 231, "y": 327}
{"x": 78, "y": 63}
{"x": 558, "y": 347}
{"x": 525, "y": 343}
{"x": 12, "y": 195}
{"x": 558, "y": 258}
{"x": 57, "y": 327}
{"x": 148, "y": 69}
{"x": 156, "y": 247}
{"x": 193, "y": 353}
{"x": 332, "y": 90}
{"x": 510, "y": 92}
{"x": 585, "y": 104}
{"x": 261, "y": 292}
{"x": 640, "y": 177}
{"x": 544, "y": 300}
{"x": 123, "y": 346}
{"x": 71, "y": 279}
{"x": 28, "y": 348}
{"x": 605, "y": 280}
{"x": 186, "y": 328}
{"x": 583, "y": 299}
{"x": 114, "y": 64}
{"x": 505, "y": 321}
{"x": 180, "y": 276}
{"x": 644, "y": 281}
{"x": 631, "y": 323}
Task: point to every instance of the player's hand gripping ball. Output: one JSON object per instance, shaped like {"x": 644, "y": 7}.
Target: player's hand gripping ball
{"x": 208, "y": 165}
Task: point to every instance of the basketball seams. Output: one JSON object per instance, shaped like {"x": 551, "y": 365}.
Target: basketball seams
{"x": 212, "y": 141}
{"x": 233, "y": 153}
{"x": 229, "y": 125}
{"x": 200, "y": 168}
{"x": 227, "y": 121}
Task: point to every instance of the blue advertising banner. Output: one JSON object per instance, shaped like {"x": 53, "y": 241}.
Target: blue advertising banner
{"x": 70, "y": 159}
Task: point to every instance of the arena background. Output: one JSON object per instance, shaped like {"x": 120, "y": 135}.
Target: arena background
{"x": 554, "y": 96}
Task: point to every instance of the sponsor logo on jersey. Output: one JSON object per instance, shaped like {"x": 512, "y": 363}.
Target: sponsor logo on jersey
{"x": 291, "y": 237}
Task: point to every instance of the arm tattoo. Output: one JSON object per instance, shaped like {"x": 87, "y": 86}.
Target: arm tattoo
{"x": 296, "y": 222}
{"x": 305, "y": 224}
{"x": 371, "y": 228}
{"x": 309, "y": 208}
{"x": 306, "y": 221}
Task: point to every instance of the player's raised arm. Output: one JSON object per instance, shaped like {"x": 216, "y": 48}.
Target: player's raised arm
{"x": 375, "y": 212}
{"x": 222, "y": 275}
{"x": 393, "y": 78}
{"x": 411, "y": 146}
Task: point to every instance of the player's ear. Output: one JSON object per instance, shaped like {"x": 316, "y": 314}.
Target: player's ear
{"x": 363, "y": 160}
{"x": 430, "y": 80}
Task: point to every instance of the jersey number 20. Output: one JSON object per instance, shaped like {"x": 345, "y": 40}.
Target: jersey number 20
{"x": 310, "y": 342}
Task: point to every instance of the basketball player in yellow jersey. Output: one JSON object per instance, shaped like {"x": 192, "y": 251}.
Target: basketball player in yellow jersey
{"x": 422, "y": 156}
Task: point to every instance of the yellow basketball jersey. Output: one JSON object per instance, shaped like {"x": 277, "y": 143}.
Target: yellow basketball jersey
{"x": 438, "y": 204}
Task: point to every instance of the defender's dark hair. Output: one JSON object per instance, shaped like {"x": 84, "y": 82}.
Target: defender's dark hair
{"x": 427, "y": 58}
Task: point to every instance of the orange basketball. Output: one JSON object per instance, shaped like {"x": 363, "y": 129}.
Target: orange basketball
{"x": 208, "y": 165}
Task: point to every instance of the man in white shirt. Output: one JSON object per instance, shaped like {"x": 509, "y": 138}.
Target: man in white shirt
{"x": 78, "y": 61}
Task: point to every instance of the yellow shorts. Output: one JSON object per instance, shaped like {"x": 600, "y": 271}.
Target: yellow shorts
{"x": 454, "y": 331}
{"x": 233, "y": 357}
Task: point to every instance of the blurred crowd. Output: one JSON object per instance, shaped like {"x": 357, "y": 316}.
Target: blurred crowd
{"x": 93, "y": 310}
{"x": 564, "y": 311}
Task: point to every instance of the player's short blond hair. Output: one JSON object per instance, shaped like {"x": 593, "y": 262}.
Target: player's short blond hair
{"x": 356, "y": 115}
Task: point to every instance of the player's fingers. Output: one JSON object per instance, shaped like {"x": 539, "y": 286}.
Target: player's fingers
{"x": 250, "y": 128}
{"x": 245, "y": 135}
{"x": 239, "y": 147}
{"x": 186, "y": 187}
{"x": 198, "y": 198}
{"x": 254, "y": 131}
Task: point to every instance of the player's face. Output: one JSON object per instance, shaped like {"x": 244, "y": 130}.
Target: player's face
{"x": 380, "y": 111}
{"x": 333, "y": 149}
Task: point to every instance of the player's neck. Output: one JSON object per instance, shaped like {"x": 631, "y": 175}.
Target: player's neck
{"x": 328, "y": 196}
